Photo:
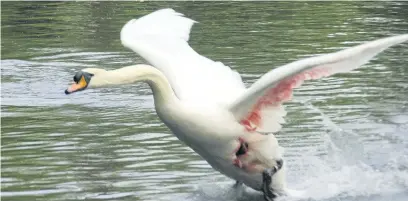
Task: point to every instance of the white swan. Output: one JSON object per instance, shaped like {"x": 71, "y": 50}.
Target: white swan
{"x": 207, "y": 106}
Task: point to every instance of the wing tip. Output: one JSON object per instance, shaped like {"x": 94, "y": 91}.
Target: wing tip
{"x": 164, "y": 22}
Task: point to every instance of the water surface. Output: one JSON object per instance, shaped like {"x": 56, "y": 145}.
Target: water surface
{"x": 346, "y": 136}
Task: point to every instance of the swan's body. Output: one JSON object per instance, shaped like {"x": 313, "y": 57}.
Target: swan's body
{"x": 206, "y": 105}
{"x": 198, "y": 126}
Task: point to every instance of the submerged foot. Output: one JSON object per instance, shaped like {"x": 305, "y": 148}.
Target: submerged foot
{"x": 267, "y": 180}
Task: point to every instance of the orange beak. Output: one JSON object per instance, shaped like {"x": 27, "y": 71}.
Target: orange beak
{"x": 81, "y": 85}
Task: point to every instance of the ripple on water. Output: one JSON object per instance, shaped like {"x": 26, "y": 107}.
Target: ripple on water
{"x": 345, "y": 136}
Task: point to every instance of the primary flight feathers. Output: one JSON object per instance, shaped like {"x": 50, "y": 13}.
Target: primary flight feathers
{"x": 161, "y": 38}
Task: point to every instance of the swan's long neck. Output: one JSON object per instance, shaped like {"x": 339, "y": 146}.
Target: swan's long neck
{"x": 162, "y": 91}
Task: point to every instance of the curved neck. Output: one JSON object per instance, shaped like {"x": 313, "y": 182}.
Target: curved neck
{"x": 162, "y": 91}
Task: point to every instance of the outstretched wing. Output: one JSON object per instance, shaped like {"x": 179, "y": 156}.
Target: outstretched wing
{"x": 161, "y": 39}
{"x": 260, "y": 107}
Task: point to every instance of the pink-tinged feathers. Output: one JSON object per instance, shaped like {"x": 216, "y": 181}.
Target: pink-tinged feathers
{"x": 275, "y": 96}
{"x": 260, "y": 109}
{"x": 257, "y": 155}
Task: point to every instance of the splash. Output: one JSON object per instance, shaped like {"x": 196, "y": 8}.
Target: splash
{"x": 342, "y": 173}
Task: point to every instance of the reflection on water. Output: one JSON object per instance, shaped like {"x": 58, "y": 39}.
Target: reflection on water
{"x": 346, "y": 136}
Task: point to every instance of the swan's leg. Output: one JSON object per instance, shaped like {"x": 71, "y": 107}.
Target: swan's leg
{"x": 237, "y": 184}
{"x": 267, "y": 180}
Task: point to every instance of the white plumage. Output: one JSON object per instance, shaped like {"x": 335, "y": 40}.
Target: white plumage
{"x": 206, "y": 104}
{"x": 161, "y": 38}
{"x": 324, "y": 65}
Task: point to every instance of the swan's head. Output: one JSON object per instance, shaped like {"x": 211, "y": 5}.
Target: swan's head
{"x": 82, "y": 79}
{"x": 96, "y": 77}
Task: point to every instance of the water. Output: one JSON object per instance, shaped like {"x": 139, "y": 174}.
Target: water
{"x": 346, "y": 136}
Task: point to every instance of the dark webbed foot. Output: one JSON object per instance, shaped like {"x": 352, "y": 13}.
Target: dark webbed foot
{"x": 267, "y": 180}
{"x": 237, "y": 184}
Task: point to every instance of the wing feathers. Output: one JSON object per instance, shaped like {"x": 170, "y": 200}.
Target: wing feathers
{"x": 165, "y": 23}
{"x": 276, "y": 86}
{"x": 161, "y": 39}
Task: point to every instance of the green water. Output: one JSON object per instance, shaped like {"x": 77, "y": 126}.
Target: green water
{"x": 346, "y": 136}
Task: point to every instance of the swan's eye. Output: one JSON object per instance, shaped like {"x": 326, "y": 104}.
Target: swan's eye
{"x": 77, "y": 77}
{"x": 81, "y": 80}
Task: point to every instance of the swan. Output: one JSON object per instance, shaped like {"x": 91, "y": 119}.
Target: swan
{"x": 207, "y": 106}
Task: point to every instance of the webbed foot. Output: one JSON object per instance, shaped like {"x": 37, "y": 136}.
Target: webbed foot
{"x": 267, "y": 180}
{"x": 237, "y": 184}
